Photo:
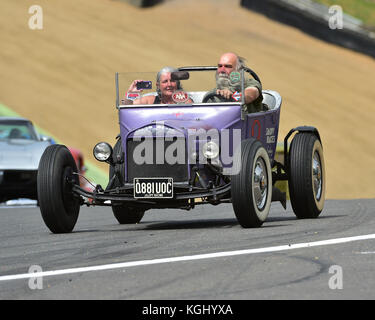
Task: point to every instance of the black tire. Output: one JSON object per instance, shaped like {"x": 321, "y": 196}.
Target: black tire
{"x": 127, "y": 215}
{"x": 251, "y": 187}
{"x": 58, "y": 205}
{"x": 307, "y": 180}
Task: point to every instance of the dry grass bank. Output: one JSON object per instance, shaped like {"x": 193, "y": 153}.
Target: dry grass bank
{"x": 62, "y": 77}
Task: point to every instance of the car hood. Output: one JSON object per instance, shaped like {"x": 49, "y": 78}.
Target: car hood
{"x": 182, "y": 118}
{"x": 20, "y": 154}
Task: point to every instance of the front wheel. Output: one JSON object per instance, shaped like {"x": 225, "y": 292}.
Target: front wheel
{"x": 58, "y": 205}
{"x": 251, "y": 187}
{"x": 307, "y": 179}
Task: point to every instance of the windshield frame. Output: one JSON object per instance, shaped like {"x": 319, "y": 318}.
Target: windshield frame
{"x": 194, "y": 69}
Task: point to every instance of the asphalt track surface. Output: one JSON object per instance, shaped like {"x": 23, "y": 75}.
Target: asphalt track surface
{"x": 202, "y": 254}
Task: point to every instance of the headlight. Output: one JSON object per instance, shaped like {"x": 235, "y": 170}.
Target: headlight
{"x": 102, "y": 151}
{"x": 210, "y": 150}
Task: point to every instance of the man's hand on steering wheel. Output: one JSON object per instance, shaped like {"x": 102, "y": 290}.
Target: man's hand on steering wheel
{"x": 225, "y": 93}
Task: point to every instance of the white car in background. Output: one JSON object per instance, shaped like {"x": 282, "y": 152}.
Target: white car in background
{"x": 21, "y": 148}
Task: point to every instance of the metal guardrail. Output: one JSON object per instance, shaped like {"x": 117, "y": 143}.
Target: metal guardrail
{"x": 142, "y": 3}
{"x": 314, "y": 19}
{"x": 322, "y": 11}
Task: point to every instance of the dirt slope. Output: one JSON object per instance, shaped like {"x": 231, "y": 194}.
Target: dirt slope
{"x": 62, "y": 77}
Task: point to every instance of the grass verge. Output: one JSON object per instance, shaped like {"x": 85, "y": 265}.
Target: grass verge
{"x": 360, "y": 9}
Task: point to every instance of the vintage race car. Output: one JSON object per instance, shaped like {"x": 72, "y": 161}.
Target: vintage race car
{"x": 187, "y": 153}
{"x": 21, "y": 148}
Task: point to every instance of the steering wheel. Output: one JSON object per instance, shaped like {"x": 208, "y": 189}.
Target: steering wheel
{"x": 214, "y": 94}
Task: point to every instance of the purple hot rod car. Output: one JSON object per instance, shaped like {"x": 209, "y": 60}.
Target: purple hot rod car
{"x": 189, "y": 153}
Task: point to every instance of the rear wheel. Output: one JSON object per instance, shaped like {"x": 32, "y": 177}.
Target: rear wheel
{"x": 251, "y": 187}
{"x": 122, "y": 212}
{"x": 58, "y": 205}
{"x": 127, "y": 215}
{"x": 307, "y": 180}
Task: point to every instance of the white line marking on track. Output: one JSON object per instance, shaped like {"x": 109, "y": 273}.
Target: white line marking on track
{"x": 123, "y": 265}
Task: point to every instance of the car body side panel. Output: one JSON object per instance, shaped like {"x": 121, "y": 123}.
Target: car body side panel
{"x": 19, "y": 154}
{"x": 264, "y": 126}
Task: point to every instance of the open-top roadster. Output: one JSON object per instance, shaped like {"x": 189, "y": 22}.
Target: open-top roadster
{"x": 189, "y": 153}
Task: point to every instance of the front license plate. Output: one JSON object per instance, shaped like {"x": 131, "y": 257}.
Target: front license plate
{"x": 159, "y": 188}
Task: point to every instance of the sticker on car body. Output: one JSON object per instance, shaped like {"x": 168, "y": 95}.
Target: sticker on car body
{"x": 180, "y": 97}
{"x": 132, "y": 95}
{"x": 237, "y": 96}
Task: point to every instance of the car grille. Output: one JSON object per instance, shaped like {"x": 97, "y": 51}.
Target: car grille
{"x": 177, "y": 171}
{"x": 15, "y": 177}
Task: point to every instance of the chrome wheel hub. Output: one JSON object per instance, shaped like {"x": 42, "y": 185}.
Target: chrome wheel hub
{"x": 260, "y": 183}
{"x": 317, "y": 176}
